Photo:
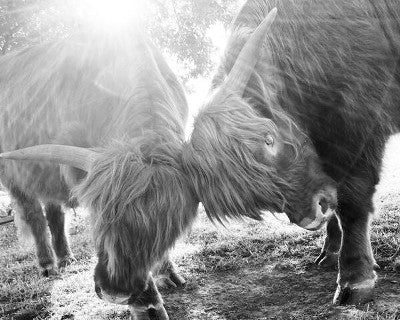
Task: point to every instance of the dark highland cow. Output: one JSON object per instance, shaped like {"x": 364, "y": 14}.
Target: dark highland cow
{"x": 112, "y": 112}
{"x": 322, "y": 79}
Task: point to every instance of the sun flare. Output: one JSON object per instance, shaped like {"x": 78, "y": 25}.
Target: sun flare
{"x": 114, "y": 13}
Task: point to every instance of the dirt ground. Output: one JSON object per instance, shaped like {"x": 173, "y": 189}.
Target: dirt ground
{"x": 277, "y": 286}
{"x": 246, "y": 271}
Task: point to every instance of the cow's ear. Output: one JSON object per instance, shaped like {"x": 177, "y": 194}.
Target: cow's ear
{"x": 116, "y": 80}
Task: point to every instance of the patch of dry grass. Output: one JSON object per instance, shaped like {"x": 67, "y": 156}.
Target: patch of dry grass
{"x": 249, "y": 270}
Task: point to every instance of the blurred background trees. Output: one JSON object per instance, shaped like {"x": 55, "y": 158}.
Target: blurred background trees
{"x": 187, "y": 30}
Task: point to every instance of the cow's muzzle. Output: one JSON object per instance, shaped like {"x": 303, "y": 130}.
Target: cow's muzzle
{"x": 117, "y": 299}
{"x": 324, "y": 205}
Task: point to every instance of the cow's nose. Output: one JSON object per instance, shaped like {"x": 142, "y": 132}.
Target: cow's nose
{"x": 324, "y": 204}
{"x": 327, "y": 202}
{"x": 329, "y": 198}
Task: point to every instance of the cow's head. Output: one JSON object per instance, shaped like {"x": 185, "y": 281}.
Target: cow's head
{"x": 242, "y": 162}
{"x": 140, "y": 202}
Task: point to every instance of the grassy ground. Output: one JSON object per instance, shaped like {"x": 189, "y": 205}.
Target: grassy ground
{"x": 248, "y": 270}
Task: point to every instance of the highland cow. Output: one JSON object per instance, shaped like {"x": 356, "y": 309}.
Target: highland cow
{"x": 110, "y": 110}
{"x": 299, "y": 106}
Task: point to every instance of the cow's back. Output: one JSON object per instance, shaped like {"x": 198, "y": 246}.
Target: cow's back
{"x": 48, "y": 95}
{"x": 35, "y": 109}
{"x": 51, "y": 93}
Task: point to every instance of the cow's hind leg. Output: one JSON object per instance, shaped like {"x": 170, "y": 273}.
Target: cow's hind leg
{"x": 330, "y": 251}
{"x": 168, "y": 276}
{"x": 149, "y": 305}
{"x": 56, "y": 219}
{"x": 30, "y": 212}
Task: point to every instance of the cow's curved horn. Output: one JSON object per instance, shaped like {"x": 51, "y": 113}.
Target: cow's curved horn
{"x": 249, "y": 56}
{"x": 77, "y": 157}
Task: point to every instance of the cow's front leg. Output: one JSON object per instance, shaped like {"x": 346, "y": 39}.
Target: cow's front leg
{"x": 168, "y": 276}
{"x": 330, "y": 251}
{"x": 149, "y": 305}
{"x": 356, "y": 278}
{"x": 56, "y": 220}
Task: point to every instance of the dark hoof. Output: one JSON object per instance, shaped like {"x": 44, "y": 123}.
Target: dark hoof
{"x": 49, "y": 271}
{"x": 396, "y": 266}
{"x": 178, "y": 280}
{"x": 320, "y": 257}
{"x": 327, "y": 260}
{"x": 170, "y": 282}
{"x": 66, "y": 261}
{"x": 141, "y": 313}
{"x": 158, "y": 314}
{"x": 164, "y": 283}
{"x": 354, "y": 295}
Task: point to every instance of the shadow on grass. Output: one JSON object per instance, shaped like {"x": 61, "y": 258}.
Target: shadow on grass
{"x": 251, "y": 288}
{"x": 263, "y": 279}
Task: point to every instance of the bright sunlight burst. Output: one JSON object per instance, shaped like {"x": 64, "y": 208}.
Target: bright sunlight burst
{"x": 114, "y": 13}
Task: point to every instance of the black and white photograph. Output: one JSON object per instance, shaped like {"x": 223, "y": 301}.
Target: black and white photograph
{"x": 199, "y": 160}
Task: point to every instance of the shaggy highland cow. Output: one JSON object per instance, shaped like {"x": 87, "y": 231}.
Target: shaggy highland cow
{"x": 322, "y": 79}
{"x": 112, "y": 112}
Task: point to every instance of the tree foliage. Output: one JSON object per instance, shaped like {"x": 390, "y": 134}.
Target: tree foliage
{"x": 23, "y": 22}
{"x": 180, "y": 27}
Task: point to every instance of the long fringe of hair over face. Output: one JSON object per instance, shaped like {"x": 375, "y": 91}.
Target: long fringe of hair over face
{"x": 138, "y": 216}
{"x": 226, "y": 164}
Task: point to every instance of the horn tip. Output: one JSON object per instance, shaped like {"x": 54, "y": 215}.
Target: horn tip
{"x": 9, "y": 155}
{"x": 273, "y": 12}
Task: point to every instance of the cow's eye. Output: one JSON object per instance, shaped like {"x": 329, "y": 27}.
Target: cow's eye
{"x": 269, "y": 141}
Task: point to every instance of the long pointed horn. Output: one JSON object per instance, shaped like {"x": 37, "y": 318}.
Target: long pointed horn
{"x": 77, "y": 157}
{"x": 246, "y": 61}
